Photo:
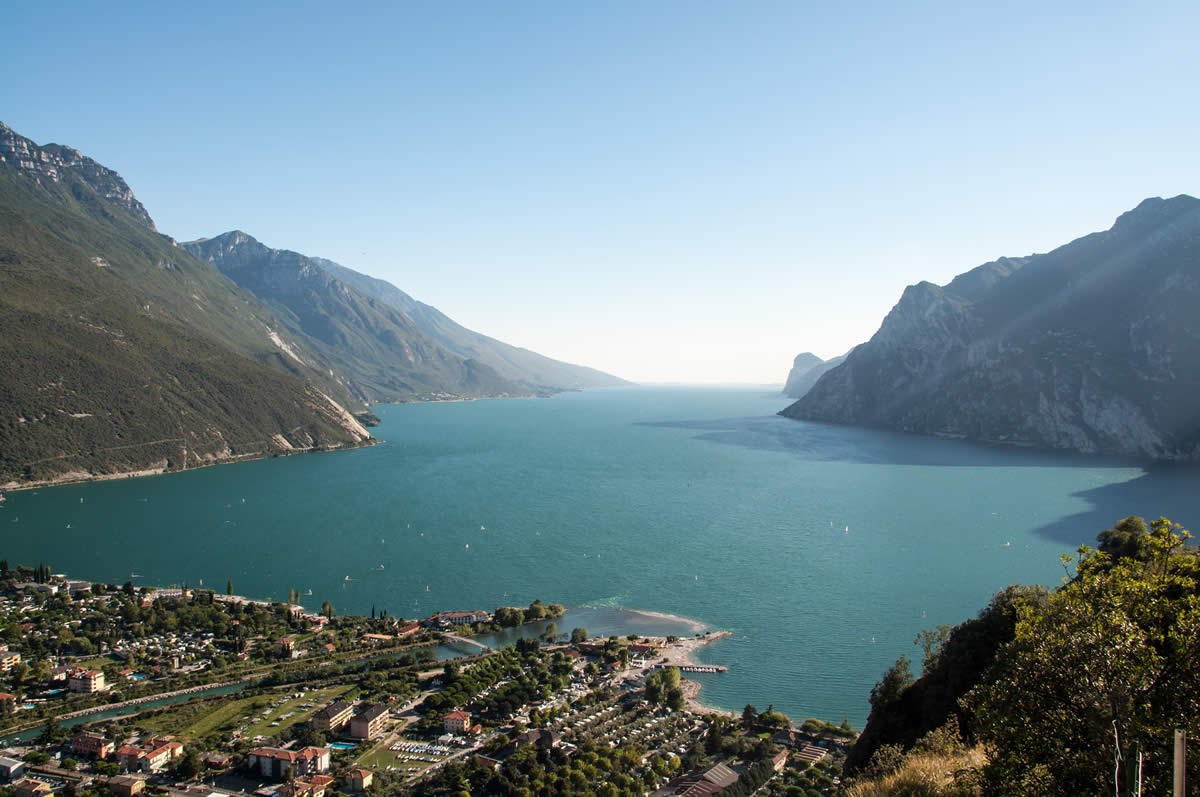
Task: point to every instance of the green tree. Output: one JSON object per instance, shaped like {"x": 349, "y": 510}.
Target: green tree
{"x": 894, "y": 681}
{"x": 579, "y": 635}
{"x": 188, "y": 765}
{"x": 327, "y": 610}
{"x": 749, "y": 716}
{"x": 1108, "y": 665}
{"x": 229, "y": 587}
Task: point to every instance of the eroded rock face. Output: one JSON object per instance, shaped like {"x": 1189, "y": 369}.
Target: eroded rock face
{"x": 1094, "y": 347}
{"x": 55, "y": 163}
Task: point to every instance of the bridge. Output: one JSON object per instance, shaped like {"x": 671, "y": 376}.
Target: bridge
{"x": 467, "y": 642}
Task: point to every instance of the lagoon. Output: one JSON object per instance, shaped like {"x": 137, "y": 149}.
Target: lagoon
{"x": 823, "y": 549}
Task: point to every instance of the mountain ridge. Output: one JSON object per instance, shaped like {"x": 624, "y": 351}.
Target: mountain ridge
{"x": 124, "y": 354}
{"x": 535, "y": 371}
{"x": 384, "y": 354}
{"x": 1091, "y": 347}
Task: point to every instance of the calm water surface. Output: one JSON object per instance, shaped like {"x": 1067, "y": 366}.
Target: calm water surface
{"x": 823, "y": 549}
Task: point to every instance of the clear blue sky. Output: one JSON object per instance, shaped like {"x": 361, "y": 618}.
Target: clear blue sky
{"x": 671, "y": 191}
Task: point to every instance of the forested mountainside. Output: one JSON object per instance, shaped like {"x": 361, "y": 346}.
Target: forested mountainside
{"x": 124, "y": 353}
{"x": 1093, "y": 347}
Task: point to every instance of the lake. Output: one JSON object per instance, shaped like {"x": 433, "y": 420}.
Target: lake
{"x": 823, "y": 549}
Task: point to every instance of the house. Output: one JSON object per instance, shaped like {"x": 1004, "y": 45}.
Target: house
{"x": 370, "y": 723}
{"x": 446, "y": 619}
{"x": 333, "y": 717}
{"x": 712, "y": 780}
{"x": 272, "y": 762}
{"x": 287, "y": 644}
{"x": 28, "y": 787}
{"x": 8, "y": 660}
{"x": 153, "y": 755}
{"x": 126, "y": 785}
{"x": 311, "y": 786}
{"x": 405, "y": 630}
{"x": 217, "y": 760}
{"x": 359, "y": 779}
{"x": 8, "y": 704}
{"x": 456, "y": 722}
{"x": 11, "y": 769}
{"x": 779, "y": 760}
{"x": 377, "y": 639}
{"x": 92, "y": 745}
{"x": 86, "y": 681}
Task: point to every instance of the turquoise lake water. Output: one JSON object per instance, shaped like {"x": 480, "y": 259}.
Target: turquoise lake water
{"x": 823, "y": 549}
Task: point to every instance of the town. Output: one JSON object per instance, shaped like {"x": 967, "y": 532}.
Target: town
{"x": 117, "y": 690}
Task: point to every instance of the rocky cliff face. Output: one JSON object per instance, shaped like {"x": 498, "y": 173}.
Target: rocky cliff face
{"x": 807, "y": 368}
{"x": 1094, "y": 347}
{"x": 51, "y": 161}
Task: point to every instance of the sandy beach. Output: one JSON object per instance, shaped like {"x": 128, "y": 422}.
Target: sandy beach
{"x": 683, "y": 652}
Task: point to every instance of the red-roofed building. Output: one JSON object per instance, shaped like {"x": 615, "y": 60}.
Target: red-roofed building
{"x": 359, "y": 779}
{"x": 86, "y": 681}
{"x": 456, "y": 721}
{"x": 151, "y": 756}
{"x": 278, "y": 764}
{"x": 92, "y": 745}
{"x": 405, "y": 630}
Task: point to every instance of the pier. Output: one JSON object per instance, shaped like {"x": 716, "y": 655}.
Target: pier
{"x": 693, "y": 667}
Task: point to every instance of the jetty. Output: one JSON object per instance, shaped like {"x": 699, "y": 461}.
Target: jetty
{"x": 693, "y": 667}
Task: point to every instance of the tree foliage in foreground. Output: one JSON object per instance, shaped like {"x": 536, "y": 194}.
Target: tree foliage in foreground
{"x": 1110, "y": 664}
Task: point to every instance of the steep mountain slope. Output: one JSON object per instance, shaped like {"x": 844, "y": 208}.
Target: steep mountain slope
{"x": 123, "y": 353}
{"x": 807, "y": 368}
{"x": 380, "y": 351}
{"x": 529, "y": 369}
{"x": 1094, "y": 347}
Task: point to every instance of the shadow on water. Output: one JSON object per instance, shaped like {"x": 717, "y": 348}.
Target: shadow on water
{"x": 1161, "y": 489}
{"x": 822, "y": 442}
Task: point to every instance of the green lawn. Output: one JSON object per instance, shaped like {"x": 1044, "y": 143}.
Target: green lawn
{"x": 196, "y": 720}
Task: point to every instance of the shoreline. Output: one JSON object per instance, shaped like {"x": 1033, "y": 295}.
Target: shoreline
{"x": 86, "y": 477}
{"x": 683, "y": 652}
{"x": 696, "y": 626}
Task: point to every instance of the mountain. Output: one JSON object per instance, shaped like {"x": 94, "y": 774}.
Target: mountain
{"x": 123, "y": 353}
{"x": 1093, "y": 347}
{"x": 530, "y": 370}
{"x": 378, "y": 352}
{"x": 807, "y": 368}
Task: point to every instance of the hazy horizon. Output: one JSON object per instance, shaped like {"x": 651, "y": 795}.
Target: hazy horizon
{"x": 677, "y": 194}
